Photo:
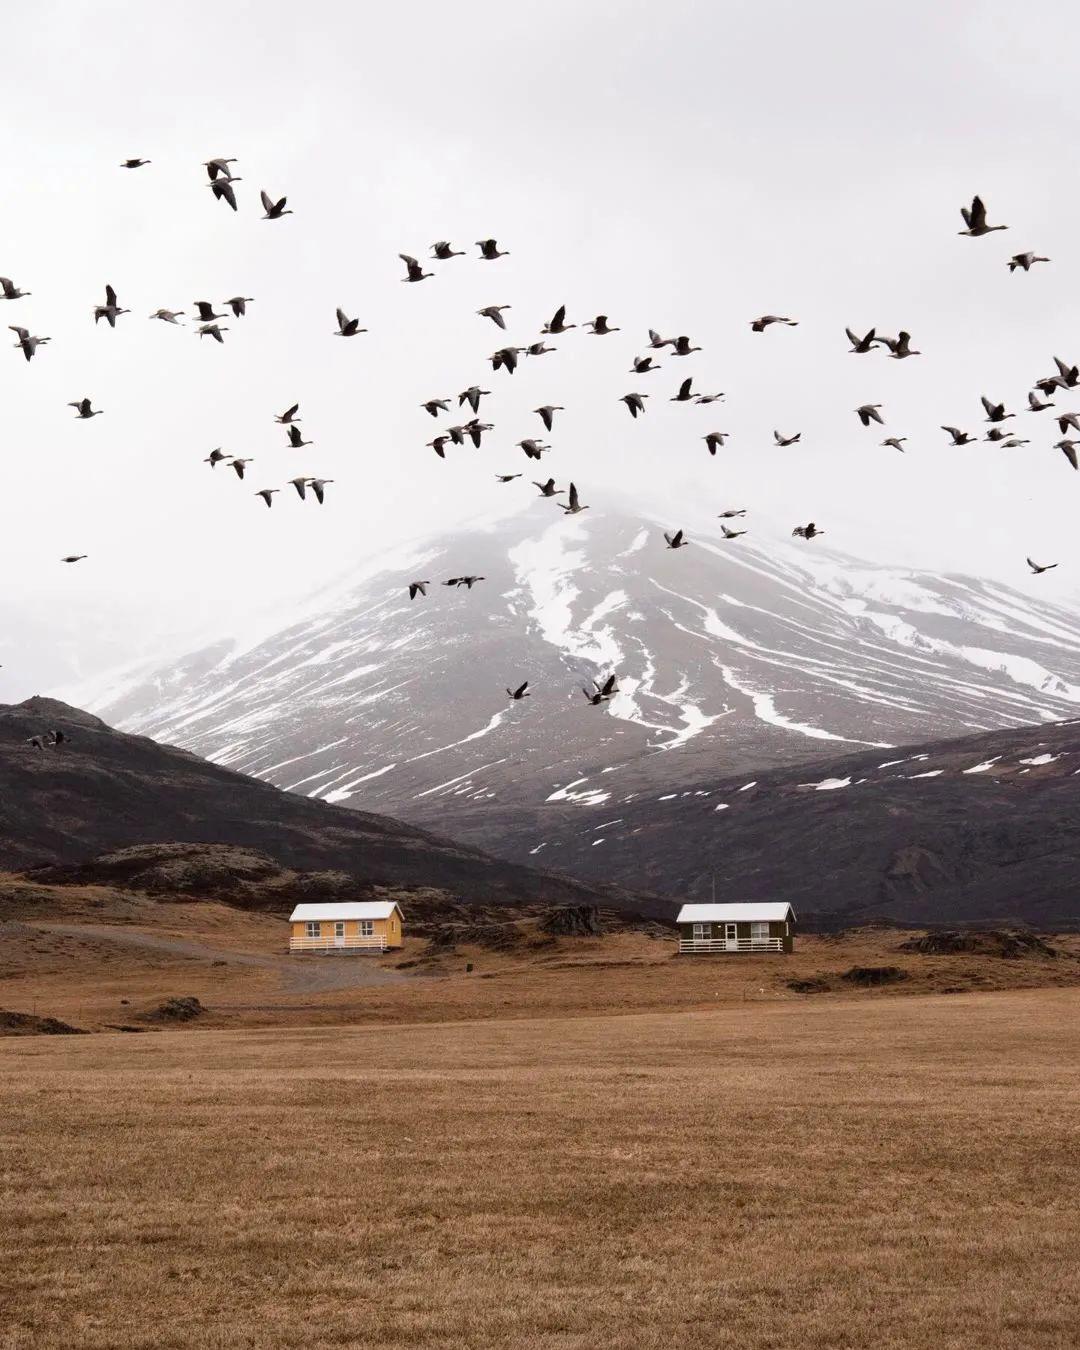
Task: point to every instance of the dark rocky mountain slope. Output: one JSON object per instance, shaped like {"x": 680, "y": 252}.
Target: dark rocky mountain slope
{"x": 102, "y": 790}
{"x": 979, "y": 829}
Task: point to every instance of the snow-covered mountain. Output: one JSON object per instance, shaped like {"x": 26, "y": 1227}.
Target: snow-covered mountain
{"x": 730, "y": 656}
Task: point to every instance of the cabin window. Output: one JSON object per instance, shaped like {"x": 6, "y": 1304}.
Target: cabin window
{"x": 339, "y": 929}
{"x": 314, "y": 929}
{"x": 701, "y": 931}
{"x": 759, "y": 932}
{"x": 367, "y": 927}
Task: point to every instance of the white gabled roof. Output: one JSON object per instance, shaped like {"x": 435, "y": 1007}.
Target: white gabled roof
{"x": 371, "y": 909}
{"x": 748, "y": 913}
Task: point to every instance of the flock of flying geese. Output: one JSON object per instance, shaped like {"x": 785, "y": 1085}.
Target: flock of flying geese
{"x": 222, "y": 181}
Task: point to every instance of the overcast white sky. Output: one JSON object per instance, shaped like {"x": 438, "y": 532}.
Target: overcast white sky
{"x": 684, "y": 166}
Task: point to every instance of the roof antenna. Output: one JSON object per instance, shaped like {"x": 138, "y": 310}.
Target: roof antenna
{"x": 714, "y": 888}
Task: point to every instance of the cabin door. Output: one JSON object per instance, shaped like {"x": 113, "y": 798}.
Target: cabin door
{"x": 731, "y": 937}
{"x": 339, "y": 934}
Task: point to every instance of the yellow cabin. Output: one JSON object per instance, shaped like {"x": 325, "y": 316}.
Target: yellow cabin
{"x": 371, "y": 927}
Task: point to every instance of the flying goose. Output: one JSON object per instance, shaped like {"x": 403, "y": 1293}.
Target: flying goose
{"x": 456, "y": 434}
{"x": 681, "y": 346}
{"x": 1068, "y": 376}
{"x": 1024, "y": 260}
{"x": 1013, "y": 442}
{"x": 958, "y": 437}
{"x": 437, "y": 445}
{"x": 715, "y": 440}
{"x": 861, "y": 345}
{"x": 506, "y": 477}
{"x": 474, "y": 429}
{"x": 418, "y": 588}
{"x": 868, "y": 412}
{"x": 442, "y": 250}
{"x": 274, "y": 210}
{"x": 222, "y": 188}
{"x": 643, "y": 365}
{"x": 975, "y": 220}
{"x": 899, "y": 346}
{"x": 547, "y": 413}
{"x": 676, "y": 540}
{"x": 759, "y": 325}
{"x": 1039, "y": 568}
{"x": 73, "y": 558}
{"x": 300, "y": 484}
{"x": 655, "y": 340}
{"x": 1067, "y": 420}
{"x": 213, "y": 330}
{"x": 215, "y": 457}
{"x": 997, "y": 434}
{"x": 347, "y": 327}
{"x": 732, "y": 515}
{"x": 207, "y": 313}
{"x": 575, "y": 506}
{"x": 489, "y": 250}
{"x": 467, "y": 582}
{"x": 27, "y": 342}
{"x": 533, "y": 449}
{"x": 810, "y": 531}
{"x": 288, "y": 416}
{"x": 557, "y": 323}
{"x": 110, "y": 310}
{"x": 239, "y": 303}
{"x": 472, "y": 396}
{"x": 787, "y": 440}
{"x": 9, "y": 291}
{"x": 218, "y": 166}
{"x": 635, "y": 402}
{"x": 83, "y": 410}
{"x": 600, "y": 693}
{"x": 134, "y": 163}
{"x": 296, "y": 440}
{"x": 267, "y": 494}
{"x": 413, "y": 270}
{"x": 731, "y": 534}
{"x": 1035, "y": 404}
{"x": 1068, "y": 449}
{"x": 317, "y": 486}
{"x": 167, "y": 315}
{"x": 600, "y": 327}
{"x": 506, "y": 358}
{"x": 896, "y": 442}
{"x": 494, "y": 313}
{"x": 520, "y": 692}
{"x": 995, "y": 412}
{"x": 541, "y": 348}
{"x": 708, "y": 398}
{"x": 548, "y": 489}
{"x": 684, "y": 395}
{"x": 435, "y": 406}
{"x": 239, "y": 465}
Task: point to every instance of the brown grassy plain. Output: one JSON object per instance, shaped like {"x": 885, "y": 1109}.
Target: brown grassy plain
{"x": 855, "y": 1172}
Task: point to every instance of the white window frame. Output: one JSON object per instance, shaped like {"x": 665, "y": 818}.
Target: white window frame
{"x": 759, "y": 930}
{"x": 366, "y": 927}
{"x": 339, "y": 928}
{"x": 702, "y": 932}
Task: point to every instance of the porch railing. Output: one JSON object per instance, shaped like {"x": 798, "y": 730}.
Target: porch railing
{"x": 337, "y": 944}
{"x": 705, "y": 945}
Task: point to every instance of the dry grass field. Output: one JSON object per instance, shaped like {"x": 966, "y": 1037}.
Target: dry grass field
{"x": 851, "y": 1172}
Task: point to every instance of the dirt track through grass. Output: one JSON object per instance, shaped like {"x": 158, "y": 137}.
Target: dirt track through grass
{"x": 894, "y": 1173}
